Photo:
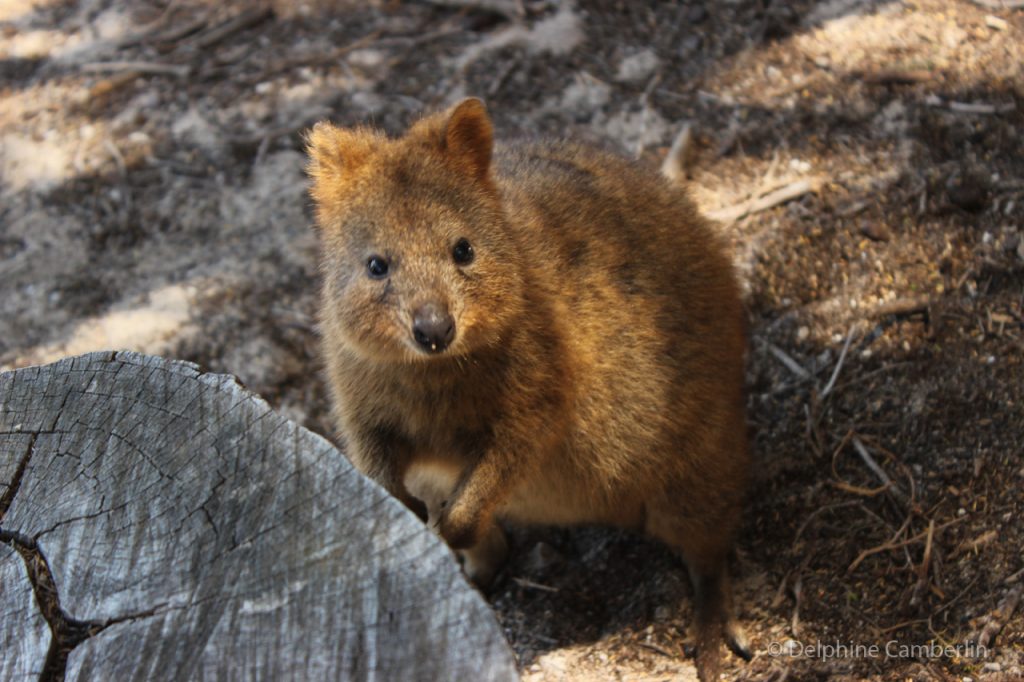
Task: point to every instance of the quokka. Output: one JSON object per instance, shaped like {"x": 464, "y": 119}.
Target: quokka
{"x": 537, "y": 333}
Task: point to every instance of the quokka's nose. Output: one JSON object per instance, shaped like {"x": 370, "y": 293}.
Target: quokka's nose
{"x": 432, "y": 327}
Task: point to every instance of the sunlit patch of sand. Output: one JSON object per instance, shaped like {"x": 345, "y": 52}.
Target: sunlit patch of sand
{"x": 151, "y": 326}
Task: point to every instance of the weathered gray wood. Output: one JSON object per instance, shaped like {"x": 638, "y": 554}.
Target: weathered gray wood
{"x": 222, "y": 540}
{"x": 23, "y": 632}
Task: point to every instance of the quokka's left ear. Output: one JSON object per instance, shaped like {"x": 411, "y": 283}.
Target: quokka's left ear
{"x": 467, "y": 136}
{"x": 335, "y": 153}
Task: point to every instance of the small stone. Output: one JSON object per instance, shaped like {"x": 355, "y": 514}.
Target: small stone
{"x": 875, "y": 231}
{"x": 697, "y": 14}
{"x": 689, "y": 45}
{"x": 995, "y": 22}
{"x": 543, "y": 557}
{"x": 969, "y": 192}
{"x": 366, "y": 58}
{"x": 993, "y": 667}
{"x": 799, "y": 165}
{"x": 662, "y": 613}
{"x": 638, "y": 66}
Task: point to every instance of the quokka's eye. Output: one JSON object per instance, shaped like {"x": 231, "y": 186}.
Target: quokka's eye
{"x": 377, "y": 267}
{"x": 462, "y": 252}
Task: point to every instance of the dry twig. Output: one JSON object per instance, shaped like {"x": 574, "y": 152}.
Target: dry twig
{"x": 793, "y": 190}
{"x": 154, "y": 68}
{"x": 969, "y": 546}
{"x": 902, "y": 307}
{"x": 922, "y": 569}
{"x": 526, "y": 582}
{"x": 656, "y": 648}
{"x": 839, "y": 363}
{"x": 798, "y": 591}
{"x": 896, "y": 77}
{"x": 998, "y": 618}
{"x": 817, "y": 512}
{"x": 229, "y": 27}
{"x": 1000, "y": 4}
{"x": 899, "y": 545}
{"x": 787, "y": 360}
{"x": 176, "y": 33}
{"x": 877, "y": 470}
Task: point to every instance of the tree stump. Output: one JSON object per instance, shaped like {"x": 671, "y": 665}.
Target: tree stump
{"x": 162, "y": 523}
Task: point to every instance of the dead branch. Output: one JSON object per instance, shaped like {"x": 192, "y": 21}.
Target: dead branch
{"x": 792, "y": 191}
{"x": 320, "y": 58}
{"x": 895, "y": 76}
{"x": 176, "y": 33}
{"x": 922, "y": 569}
{"x": 996, "y": 23}
{"x": 878, "y": 471}
{"x": 970, "y": 107}
{"x": 980, "y": 108}
{"x": 817, "y": 512}
{"x": 657, "y": 649}
{"x": 902, "y": 307}
{"x": 525, "y": 582}
{"x": 115, "y": 154}
{"x": 229, "y": 27}
{"x": 148, "y": 29}
{"x": 108, "y": 86}
{"x": 858, "y": 490}
{"x": 998, "y": 618}
{"x": 899, "y": 545}
{"x": 798, "y": 591}
{"x": 152, "y": 68}
{"x": 680, "y": 156}
{"x": 511, "y": 9}
{"x": 1000, "y": 4}
{"x": 839, "y": 363}
{"x": 969, "y": 546}
{"x": 787, "y": 360}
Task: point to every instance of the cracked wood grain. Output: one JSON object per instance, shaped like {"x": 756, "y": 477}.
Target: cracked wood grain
{"x": 66, "y": 632}
{"x": 188, "y": 532}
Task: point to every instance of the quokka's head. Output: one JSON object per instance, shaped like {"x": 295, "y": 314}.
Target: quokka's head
{"x": 416, "y": 260}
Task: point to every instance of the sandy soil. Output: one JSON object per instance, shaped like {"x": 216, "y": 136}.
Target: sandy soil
{"x": 160, "y": 206}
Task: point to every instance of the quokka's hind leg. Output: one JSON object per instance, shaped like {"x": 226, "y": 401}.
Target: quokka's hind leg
{"x": 715, "y": 618}
{"x": 704, "y": 547}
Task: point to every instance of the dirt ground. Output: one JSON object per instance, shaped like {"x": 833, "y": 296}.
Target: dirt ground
{"x": 153, "y": 198}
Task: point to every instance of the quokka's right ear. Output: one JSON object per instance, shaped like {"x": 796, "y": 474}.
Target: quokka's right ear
{"x": 468, "y": 136}
{"x": 335, "y": 153}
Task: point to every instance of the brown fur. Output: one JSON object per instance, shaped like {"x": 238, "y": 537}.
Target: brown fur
{"x": 596, "y": 371}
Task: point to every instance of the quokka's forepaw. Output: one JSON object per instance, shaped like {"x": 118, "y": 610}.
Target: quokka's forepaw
{"x": 460, "y": 529}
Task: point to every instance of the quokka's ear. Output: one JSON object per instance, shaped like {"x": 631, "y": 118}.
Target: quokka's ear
{"x": 335, "y": 153}
{"x": 468, "y": 136}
